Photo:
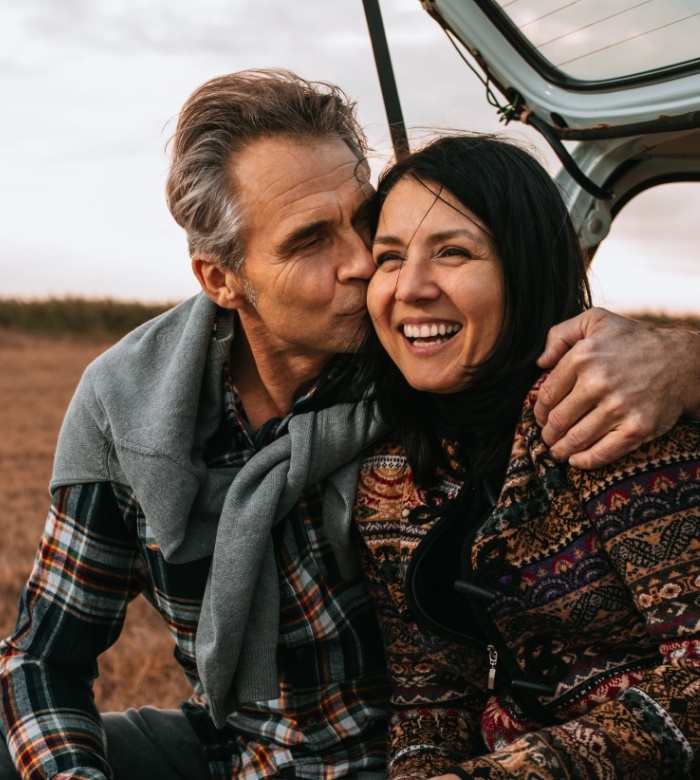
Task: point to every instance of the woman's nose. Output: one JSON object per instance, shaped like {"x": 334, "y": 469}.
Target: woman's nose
{"x": 415, "y": 282}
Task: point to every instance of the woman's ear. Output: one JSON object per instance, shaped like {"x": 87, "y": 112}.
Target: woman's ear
{"x": 223, "y": 286}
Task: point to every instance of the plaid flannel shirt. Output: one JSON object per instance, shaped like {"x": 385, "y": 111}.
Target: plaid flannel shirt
{"x": 97, "y": 554}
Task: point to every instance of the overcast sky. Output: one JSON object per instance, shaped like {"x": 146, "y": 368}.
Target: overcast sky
{"x": 90, "y": 90}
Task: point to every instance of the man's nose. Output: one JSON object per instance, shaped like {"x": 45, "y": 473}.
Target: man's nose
{"x": 357, "y": 262}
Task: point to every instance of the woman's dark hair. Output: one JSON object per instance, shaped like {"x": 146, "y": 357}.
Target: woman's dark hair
{"x": 544, "y": 283}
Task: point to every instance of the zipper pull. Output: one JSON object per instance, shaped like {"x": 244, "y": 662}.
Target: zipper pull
{"x": 493, "y": 659}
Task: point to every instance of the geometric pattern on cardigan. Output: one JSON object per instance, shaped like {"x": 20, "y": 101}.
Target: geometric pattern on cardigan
{"x": 595, "y": 574}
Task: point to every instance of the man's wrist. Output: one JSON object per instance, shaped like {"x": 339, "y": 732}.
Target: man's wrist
{"x": 689, "y": 360}
{"x": 462, "y": 774}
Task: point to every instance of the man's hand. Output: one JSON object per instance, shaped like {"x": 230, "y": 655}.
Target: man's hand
{"x": 445, "y": 777}
{"x": 616, "y": 384}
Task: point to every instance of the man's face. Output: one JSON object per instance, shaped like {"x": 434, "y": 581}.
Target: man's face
{"x": 307, "y": 261}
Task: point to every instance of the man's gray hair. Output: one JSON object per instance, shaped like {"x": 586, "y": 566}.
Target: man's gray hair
{"x": 219, "y": 120}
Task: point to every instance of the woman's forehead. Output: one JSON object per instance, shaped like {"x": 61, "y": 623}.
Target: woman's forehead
{"x": 414, "y": 201}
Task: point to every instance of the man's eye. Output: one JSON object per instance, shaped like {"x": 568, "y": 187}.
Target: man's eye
{"x": 312, "y": 243}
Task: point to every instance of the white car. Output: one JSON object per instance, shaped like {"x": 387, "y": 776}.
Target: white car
{"x": 622, "y": 79}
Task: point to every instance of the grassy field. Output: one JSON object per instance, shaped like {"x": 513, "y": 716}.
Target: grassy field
{"x": 107, "y": 320}
{"x": 44, "y": 348}
{"x": 81, "y": 318}
{"x": 38, "y": 375}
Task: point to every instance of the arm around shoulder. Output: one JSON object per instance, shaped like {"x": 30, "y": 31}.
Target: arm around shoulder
{"x": 689, "y": 360}
{"x": 615, "y": 384}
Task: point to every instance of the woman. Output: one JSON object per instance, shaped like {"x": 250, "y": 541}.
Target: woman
{"x": 539, "y": 621}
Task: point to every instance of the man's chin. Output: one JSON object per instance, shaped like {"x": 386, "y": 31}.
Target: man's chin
{"x": 360, "y": 311}
{"x": 354, "y": 336}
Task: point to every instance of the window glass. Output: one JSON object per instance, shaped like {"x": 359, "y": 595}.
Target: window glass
{"x": 596, "y": 39}
{"x": 650, "y": 261}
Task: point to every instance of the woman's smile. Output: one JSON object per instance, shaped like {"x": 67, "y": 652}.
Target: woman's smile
{"x": 429, "y": 333}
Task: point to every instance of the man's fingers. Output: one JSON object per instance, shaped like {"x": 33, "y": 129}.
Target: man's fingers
{"x": 570, "y": 353}
{"x": 606, "y": 433}
{"x": 618, "y": 384}
{"x": 614, "y": 445}
{"x": 571, "y": 392}
{"x": 561, "y": 338}
{"x": 588, "y": 432}
{"x": 554, "y": 390}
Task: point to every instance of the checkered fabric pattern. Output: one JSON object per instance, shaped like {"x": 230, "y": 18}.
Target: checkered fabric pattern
{"x": 97, "y": 553}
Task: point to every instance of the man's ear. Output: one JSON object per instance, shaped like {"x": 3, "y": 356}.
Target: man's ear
{"x": 221, "y": 285}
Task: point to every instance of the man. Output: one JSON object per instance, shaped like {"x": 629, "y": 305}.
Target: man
{"x": 206, "y": 462}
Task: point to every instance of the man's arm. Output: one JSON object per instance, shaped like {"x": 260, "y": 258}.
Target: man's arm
{"x": 616, "y": 383}
{"x": 73, "y": 607}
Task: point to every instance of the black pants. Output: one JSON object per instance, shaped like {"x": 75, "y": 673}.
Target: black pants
{"x": 144, "y": 744}
{"x": 152, "y": 744}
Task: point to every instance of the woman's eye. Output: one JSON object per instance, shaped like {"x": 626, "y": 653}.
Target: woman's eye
{"x": 456, "y": 252}
{"x": 388, "y": 259}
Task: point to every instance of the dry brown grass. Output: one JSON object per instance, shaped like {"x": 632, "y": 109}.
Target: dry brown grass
{"x": 37, "y": 379}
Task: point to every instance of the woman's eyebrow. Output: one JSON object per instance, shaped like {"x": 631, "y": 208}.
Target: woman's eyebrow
{"x": 436, "y": 238}
{"x": 472, "y": 235}
{"x": 386, "y": 240}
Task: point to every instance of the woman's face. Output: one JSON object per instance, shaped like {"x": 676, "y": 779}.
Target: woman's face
{"x": 436, "y": 299}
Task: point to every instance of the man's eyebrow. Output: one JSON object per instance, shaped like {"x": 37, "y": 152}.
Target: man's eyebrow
{"x": 301, "y": 234}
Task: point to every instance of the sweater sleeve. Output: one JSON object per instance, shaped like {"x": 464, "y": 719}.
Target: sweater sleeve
{"x": 72, "y": 609}
{"x": 646, "y": 511}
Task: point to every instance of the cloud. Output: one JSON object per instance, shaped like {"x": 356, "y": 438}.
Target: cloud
{"x": 207, "y": 26}
{"x": 89, "y": 88}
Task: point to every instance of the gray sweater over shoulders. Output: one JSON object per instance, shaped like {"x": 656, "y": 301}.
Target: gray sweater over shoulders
{"x": 142, "y": 416}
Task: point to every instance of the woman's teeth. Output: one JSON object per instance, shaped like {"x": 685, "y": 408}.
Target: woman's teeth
{"x": 437, "y": 334}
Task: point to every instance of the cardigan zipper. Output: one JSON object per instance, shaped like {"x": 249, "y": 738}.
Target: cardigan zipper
{"x": 493, "y": 660}
{"x": 523, "y": 692}
{"x": 489, "y": 649}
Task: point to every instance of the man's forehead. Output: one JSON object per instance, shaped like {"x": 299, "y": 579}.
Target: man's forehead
{"x": 283, "y": 177}
{"x": 283, "y": 157}
{"x": 363, "y": 173}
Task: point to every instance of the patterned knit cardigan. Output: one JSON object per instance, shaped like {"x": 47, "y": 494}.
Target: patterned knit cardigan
{"x": 584, "y": 598}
